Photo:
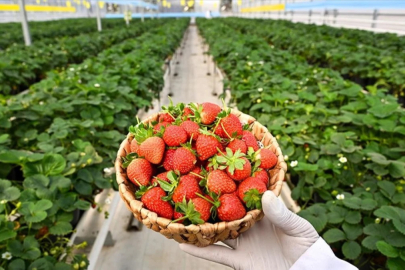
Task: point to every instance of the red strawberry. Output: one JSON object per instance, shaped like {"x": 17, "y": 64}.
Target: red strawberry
{"x": 203, "y": 207}
{"x": 168, "y": 159}
{"x": 152, "y": 149}
{"x": 178, "y": 215}
{"x": 267, "y": 157}
{"x": 174, "y": 136}
{"x": 262, "y": 175}
{"x": 192, "y": 129}
{"x": 187, "y": 111}
{"x": 165, "y": 117}
{"x": 252, "y": 199}
{"x": 236, "y": 144}
{"x": 229, "y": 127}
{"x": 238, "y": 174}
{"x": 219, "y": 182}
{"x": 152, "y": 199}
{"x": 134, "y": 146}
{"x": 161, "y": 176}
{"x": 209, "y": 113}
{"x": 207, "y": 146}
{"x": 250, "y": 140}
{"x": 231, "y": 208}
{"x": 158, "y": 126}
{"x": 187, "y": 188}
{"x": 139, "y": 171}
{"x": 183, "y": 160}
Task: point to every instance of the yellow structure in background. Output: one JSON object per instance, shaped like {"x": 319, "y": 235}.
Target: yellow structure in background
{"x": 277, "y": 7}
{"x": 10, "y": 7}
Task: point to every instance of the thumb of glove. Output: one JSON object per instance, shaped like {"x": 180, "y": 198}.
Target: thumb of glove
{"x": 290, "y": 223}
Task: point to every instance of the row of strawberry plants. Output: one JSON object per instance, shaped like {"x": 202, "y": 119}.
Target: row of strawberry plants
{"x": 359, "y": 62}
{"x": 22, "y": 66}
{"x": 345, "y": 146}
{"x": 58, "y": 138}
{"x": 11, "y": 33}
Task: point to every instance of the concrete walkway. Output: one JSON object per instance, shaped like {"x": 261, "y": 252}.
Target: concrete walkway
{"x": 146, "y": 249}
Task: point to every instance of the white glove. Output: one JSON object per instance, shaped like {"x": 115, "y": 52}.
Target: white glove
{"x": 276, "y": 242}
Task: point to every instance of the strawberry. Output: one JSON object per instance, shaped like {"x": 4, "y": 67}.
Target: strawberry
{"x": 240, "y": 174}
{"x": 229, "y": 127}
{"x": 250, "y": 191}
{"x": 152, "y": 149}
{"x": 196, "y": 211}
{"x": 177, "y": 216}
{"x": 166, "y": 117}
{"x": 183, "y": 160}
{"x": 262, "y": 175}
{"x": 237, "y": 165}
{"x": 161, "y": 176}
{"x": 237, "y": 144}
{"x": 207, "y": 146}
{"x": 174, "y": 136}
{"x": 159, "y": 126}
{"x": 134, "y": 146}
{"x": 231, "y": 208}
{"x": 267, "y": 157}
{"x": 186, "y": 188}
{"x": 187, "y": 112}
{"x": 195, "y": 170}
{"x": 250, "y": 140}
{"x": 192, "y": 129}
{"x": 139, "y": 171}
{"x": 203, "y": 207}
{"x": 152, "y": 199}
{"x": 219, "y": 182}
{"x": 206, "y": 112}
{"x": 168, "y": 159}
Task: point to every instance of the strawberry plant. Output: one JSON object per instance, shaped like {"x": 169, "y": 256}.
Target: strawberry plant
{"x": 59, "y": 141}
{"x": 22, "y": 66}
{"x": 345, "y": 145}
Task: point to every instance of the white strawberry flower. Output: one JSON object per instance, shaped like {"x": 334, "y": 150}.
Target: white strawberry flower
{"x": 250, "y": 63}
{"x": 260, "y": 89}
{"x": 96, "y": 85}
{"x": 71, "y": 69}
{"x": 340, "y": 196}
{"x": 6, "y": 255}
{"x": 294, "y": 163}
{"x": 342, "y": 159}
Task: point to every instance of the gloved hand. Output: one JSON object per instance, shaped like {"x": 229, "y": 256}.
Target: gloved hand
{"x": 275, "y": 242}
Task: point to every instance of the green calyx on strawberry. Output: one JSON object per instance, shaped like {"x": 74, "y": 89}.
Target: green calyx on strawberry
{"x": 253, "y": 199}
{"x": 170, "y": 186}
{"x": 189, "y": 211}
{"x": 252, "y": 156}
{"x": 205, "y": 113}
{"x": 171, "y": 112}
{"x": 142, "y": 190}
{"x": 231, "y": 161}
{"x": 128, "y": 159}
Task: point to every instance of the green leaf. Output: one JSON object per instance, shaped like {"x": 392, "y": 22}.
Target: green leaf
{"x": 6, "y": 234}
{"x": 8, "y": 192}
{"x": 378, "y": 158}
{"x": 334, "y": 235}
{"x": 302, "y": 166}
{"x": 352, "y": 231}
{"x": 51, "y": 164}
{"x": 17, "y": 264}
{"x": 41, "y": 264}
{"x": 42, "y": 205}
{"x": 395, "y": 264}
{"x": 85, "y": 175}
{"x": 370, "y": 241}
{"x": 368, "y": 204}
{"x": 83, "y": 188}
{"x": 385, "y": 211}
{"x": 397, "y": 169}
{"x": 353, "y": 217}
{"x": 351, "y": 250}
{"x": 399, "y": 225}
{"x": 395, "y": 239}
{"x": 387, "y": 249}
{"x": 387, "y": 187}
{"x": 36, "y": 181}
{"x": 352, "y": 202}
{"x": 383, "y": 110}
{"x": 316, "y": 215}
{"x": 62, "y": 266}
{"x": 61, "y": 228}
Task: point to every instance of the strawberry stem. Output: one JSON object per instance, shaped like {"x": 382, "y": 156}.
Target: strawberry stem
{"x": 225, "y": 131}
{"x": 196, "y": 174}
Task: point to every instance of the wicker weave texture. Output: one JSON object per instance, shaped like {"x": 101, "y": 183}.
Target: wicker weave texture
{"x": 207, "y": 233}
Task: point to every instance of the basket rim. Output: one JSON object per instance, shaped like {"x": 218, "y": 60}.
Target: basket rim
{"x": 141, "y": 212}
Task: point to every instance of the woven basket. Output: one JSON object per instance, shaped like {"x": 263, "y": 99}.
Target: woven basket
{"x": 207, "y": 233}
